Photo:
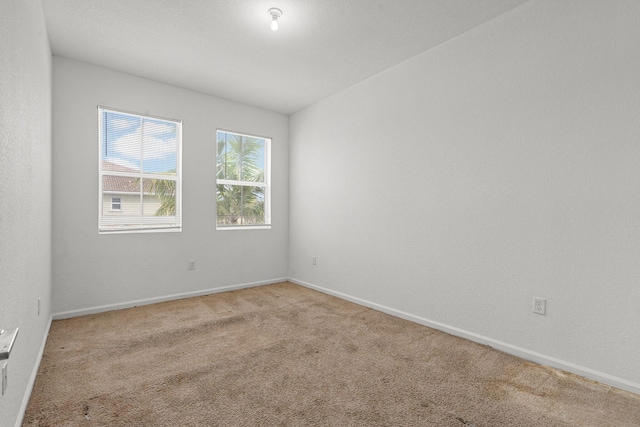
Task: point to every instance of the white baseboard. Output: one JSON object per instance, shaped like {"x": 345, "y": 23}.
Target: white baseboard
{"x": 524, "y": 353}
{"x": 146, "y": 301}
{"x": 34, "y": 374}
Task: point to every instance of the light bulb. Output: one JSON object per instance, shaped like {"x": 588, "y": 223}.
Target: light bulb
{"x": 275, "y": 13}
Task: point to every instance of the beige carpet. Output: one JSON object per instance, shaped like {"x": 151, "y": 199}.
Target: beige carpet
{"x": 284, "y": 355}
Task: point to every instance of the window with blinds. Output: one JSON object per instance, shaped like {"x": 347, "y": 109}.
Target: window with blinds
{"x": 140, "y": 177}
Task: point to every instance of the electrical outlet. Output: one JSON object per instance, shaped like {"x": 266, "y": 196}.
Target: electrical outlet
{"x": 4, "y": 376}
{"x": 313, "y": 260}
{"x": 192, "y": 265}
{"x": 539, "y": 305}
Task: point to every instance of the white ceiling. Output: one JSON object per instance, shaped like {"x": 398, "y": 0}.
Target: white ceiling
{"x": 226, "y": 48}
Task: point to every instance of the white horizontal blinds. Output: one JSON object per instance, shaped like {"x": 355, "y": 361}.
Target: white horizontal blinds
{"x": 140, "y": 164}
{"x": 242, "y": 180}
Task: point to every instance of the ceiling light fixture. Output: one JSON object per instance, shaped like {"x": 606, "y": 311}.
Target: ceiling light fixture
{"x": 275, "y": 14}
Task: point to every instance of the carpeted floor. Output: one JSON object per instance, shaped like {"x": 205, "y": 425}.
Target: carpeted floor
{"x": 284, "y": 355}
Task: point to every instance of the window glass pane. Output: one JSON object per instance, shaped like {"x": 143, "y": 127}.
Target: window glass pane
{"x": 159, "y": 154}
{"x": 221, "y": 157}
{"x": 121, "y": 148}
{"x": 240, "y": 205}
{"x": 252, "y": 159}
{"x": 120, "y": 184}
{"x": 159, "y": 198}
{"x": 129, "y": 199}
{"x": 229, "y": 163}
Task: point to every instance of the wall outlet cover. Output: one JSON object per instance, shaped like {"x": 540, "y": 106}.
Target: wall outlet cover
{"x": 539, "y": 305}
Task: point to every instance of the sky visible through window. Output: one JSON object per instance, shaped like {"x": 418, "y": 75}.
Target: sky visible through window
{"x": 139, "y": 143}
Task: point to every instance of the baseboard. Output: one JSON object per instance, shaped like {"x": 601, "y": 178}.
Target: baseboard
{"x": 34, "y": 374}
{"x": 129, "y": 304}
{"x": 524, "y": 353}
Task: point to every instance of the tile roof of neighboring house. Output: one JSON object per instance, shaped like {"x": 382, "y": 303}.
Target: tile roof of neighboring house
{"x": 123, "y": 184}
{"x": 110, "y": 166}
{"x": 119, "y": 184}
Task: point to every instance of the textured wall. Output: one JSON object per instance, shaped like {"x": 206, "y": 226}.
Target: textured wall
{"x": 25, "y": 191}
{"x": 499, "y": 166}
{"x": 91, "y": 270}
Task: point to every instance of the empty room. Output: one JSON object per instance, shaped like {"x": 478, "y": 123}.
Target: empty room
{"x": 326, "y": 213}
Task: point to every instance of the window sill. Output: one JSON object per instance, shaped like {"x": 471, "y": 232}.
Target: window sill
{"x": 142, "y": 230}
{"x": 243, "y": 227}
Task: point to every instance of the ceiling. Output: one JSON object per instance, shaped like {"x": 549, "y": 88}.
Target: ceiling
{"x": 226, "y": 48}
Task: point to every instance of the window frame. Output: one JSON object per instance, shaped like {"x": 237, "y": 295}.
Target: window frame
{"x": 149, "y": 226}
{"x": 266, "y": 185}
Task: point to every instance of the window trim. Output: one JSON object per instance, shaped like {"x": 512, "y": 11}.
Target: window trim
{"x": 102, "y": 173}
{"x": 266, "y": 185}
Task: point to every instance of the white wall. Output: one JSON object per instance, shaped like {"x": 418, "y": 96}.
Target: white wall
{"x": 25, "y": 193}
{"x": 91, "y": 270}
{"x": 499, "y": 166}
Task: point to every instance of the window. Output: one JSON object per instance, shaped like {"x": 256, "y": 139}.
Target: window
{"x": 243, "y": 181}
{"x": 116, "y": 203}
{"x": 140, "y": 177}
